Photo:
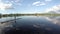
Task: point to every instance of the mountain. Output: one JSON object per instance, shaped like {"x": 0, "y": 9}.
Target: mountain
{"x": 54, "y": 12}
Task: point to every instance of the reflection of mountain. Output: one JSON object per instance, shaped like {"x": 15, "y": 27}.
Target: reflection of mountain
{"x": 55, "y": 20}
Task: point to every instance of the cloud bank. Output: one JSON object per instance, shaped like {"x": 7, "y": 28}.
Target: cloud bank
{"x": 4, "y": 6}
{"x": 55, "y": 8}
{"x": 8, "y": 4}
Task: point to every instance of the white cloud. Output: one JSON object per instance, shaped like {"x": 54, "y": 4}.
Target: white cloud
{"x": 38, "y": 3}
{"x": 17, "y": 0}
{"x": 54, "y": 8}
{"x": 48, "y": 0}
{"x": 4, "y": 6}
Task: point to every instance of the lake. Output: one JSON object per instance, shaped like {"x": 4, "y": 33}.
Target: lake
{"x": 33, "y": 25}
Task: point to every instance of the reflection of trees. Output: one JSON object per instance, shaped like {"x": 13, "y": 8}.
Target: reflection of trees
{"x": 0, "y": 15}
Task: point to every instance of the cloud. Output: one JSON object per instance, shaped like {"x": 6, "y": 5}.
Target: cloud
{"x": 5, "y": 6}
{"x": 9, "y": 4}
{"x": 38, "y": 3}
{"x": 48, "y": 0}
{"x": 17, "y": 0}
{"x": 54, "y": 8}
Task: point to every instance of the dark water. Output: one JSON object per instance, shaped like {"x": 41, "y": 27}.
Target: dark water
{"x": 35, "y": 25}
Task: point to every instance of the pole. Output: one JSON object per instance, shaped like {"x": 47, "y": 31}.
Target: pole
{"x": 15, "y": 18}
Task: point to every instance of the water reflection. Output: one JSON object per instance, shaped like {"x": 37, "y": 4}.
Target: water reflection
{"x": 6, "y": 19}
{"x": 48, "y": 25}
{"x": 55, "y": 20}
{"x": 35, "y": 25}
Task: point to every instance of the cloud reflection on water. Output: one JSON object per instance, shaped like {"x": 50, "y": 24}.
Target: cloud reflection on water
{"x": 54, "y": 20}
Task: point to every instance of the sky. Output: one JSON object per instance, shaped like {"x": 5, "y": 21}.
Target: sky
{"x": 29, "y": 6}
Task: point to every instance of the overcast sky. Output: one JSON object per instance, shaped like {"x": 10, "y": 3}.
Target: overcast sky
{"x": 29, "y": 6}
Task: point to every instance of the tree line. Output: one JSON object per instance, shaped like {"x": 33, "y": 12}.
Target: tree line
{"x": 36, "y": 14}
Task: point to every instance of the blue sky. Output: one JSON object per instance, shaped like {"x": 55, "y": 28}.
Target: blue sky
{"x": 28, "y": 6}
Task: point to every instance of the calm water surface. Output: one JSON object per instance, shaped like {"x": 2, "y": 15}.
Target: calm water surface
{"x": 45, "y": 24}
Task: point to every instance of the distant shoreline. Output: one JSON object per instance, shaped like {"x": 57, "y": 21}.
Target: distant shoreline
{"x": 13, "y": 15}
